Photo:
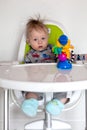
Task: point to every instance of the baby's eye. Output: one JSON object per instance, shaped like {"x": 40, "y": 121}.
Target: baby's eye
{"x": 35, "y": 39}
{"x": 43, "y": 38}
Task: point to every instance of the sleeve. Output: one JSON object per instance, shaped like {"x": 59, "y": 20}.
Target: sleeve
{"x": 27, "y": 58}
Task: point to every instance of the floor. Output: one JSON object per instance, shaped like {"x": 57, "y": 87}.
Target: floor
{"x": 18, "y": 119}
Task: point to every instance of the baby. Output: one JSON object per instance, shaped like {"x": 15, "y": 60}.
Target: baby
{"x": 41, "y": 52}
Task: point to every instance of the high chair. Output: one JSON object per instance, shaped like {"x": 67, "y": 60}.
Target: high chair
{"x": 55, "y": 30}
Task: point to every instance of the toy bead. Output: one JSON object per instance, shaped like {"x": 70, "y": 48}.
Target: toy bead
{"x": 62, "y": 57}
{"x": 63, "y": 39}
{"x": 57, "y": 50}
{"x": 54, "y": 49}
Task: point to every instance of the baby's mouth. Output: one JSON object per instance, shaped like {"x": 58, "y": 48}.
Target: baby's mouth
{"x": 40, "y": 47}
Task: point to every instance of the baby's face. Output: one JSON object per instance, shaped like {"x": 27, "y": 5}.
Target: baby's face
{"x": 38, "y": 40}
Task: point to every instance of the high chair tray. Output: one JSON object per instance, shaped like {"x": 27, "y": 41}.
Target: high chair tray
{"x": 43, "y": 77}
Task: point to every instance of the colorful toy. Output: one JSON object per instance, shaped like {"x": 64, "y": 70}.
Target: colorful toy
{"x": 63, "y": 51}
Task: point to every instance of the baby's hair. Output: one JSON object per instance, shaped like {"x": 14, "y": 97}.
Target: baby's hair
{"x": 36, "y": 24}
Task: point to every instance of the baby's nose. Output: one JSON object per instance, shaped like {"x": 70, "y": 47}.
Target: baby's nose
{"x": 39, "y": 41}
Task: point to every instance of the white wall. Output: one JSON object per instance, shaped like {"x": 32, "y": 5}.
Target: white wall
{"x": 13, "y": 13}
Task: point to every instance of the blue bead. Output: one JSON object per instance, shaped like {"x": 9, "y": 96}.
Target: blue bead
{"x": 64, "y": 64}
{"x": 63, "y": 39}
